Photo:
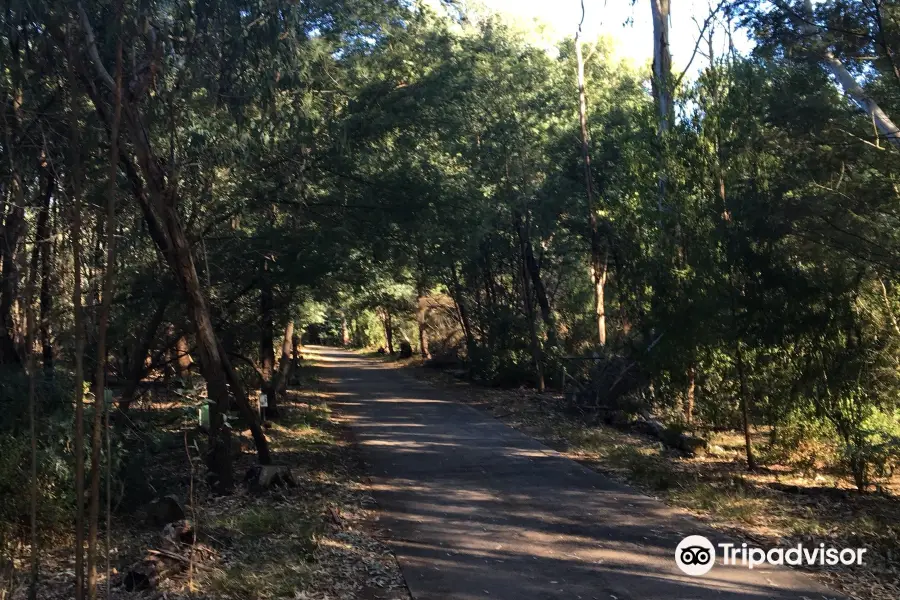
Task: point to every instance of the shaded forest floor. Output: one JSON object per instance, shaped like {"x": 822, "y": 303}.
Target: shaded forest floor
{"x": 313, "y": 541}
{"x": 774, "y": 506}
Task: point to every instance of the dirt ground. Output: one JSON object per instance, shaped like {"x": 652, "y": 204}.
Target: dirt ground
{"x": 313, "y": 541}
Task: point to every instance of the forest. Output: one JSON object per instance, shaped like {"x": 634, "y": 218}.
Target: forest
{"x": 191, "y": 190}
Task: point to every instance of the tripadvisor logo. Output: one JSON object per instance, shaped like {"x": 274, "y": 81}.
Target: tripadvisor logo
{"x": 695, "y": 555}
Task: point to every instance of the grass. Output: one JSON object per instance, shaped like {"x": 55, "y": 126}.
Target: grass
{"x": 277, "y": 546}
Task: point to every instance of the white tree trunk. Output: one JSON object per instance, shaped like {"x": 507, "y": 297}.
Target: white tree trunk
{"x": 882, "y": 121}
{"x": 598, "y": 266}
{"x": 662, "y": 63}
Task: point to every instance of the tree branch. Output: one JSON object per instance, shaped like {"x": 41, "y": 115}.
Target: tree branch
{"x": 92, "y": 49}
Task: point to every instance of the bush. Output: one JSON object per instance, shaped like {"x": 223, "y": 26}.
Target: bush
{"x": 55, "y": 439}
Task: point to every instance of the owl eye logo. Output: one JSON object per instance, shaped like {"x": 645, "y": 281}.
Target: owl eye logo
{"x": 695, "y": 555}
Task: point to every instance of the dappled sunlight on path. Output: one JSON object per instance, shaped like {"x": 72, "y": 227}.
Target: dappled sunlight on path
{"x": 475, "y": 509}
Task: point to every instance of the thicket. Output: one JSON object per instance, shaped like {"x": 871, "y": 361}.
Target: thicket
{"x": 187, "y": 186}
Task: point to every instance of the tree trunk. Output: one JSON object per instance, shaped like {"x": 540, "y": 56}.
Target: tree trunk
{"x": 598, "y": 262}
{"x": 30, "y": 330}
{"x": 182, "y": 358}
{"x": 848, "y": 82}
{"x": 267, "y": 341}
{"x": 137, "y": 361}
{"x": 103, "y": 326}
{"x": 14, "y": 224}
{"x": 745, "y": 409}
{"x": 599, "y": 273}
{"x": 247, "y": 413}
{"x": 46, "y": 299}
{"x": 78, "y": 371}
{"x": 533, "y": 269}
{"x": 421, "y": 311}
{"x": 463, "y": 313}
{"x": 13, "y": 229}
{"x": 389, "y": 330}
{"x": 285, "y": 363}
{"x": 532, "y": 328}
{"x": 662, "y": 87}
{"x": 164, "y": 225}
{"x": 689, "y": 395}
{"x": 296, "y": 347}
{"x": 345, "y": 331}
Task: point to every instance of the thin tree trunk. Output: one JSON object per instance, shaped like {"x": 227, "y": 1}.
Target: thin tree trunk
{"x": 745, "y": 409}
{"x": 733, "y": 288}
{"x": 533, "y": 270}
{"x": 78, "y": 376}
{"x": 267, "y": 341}
{"x": 389, "y": 330}
{"x": 14, "y": 228}
{"x": 598, "y": 263}
{"x": 421, "y": 311}
{"x": 345, "y": 331}
{"x": 689, "y": 395}
{"x": 463, "y": 313}
{"x": 285, "y": 363}
{"x": 662, "y": 88}
{"x": 103, "y": 322}
{"x": 532, "y": 328}
{"x": 160, "y": 211}
{"x": 851, "y": 87}
{"x": 46, "y": 299}
{"x": 14, "y": 225}
{"x": 30, "y": 330}
{"x": 138, "y": 355}
{"x": 246, "y": 412}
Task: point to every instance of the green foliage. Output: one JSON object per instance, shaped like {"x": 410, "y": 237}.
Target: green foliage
{"x": 54, "y": 442}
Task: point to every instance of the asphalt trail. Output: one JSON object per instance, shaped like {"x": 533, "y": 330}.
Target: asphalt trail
{"x": 476, "y": 509}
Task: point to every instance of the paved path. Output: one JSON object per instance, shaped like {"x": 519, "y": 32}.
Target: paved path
{"x": 476, "y": 509}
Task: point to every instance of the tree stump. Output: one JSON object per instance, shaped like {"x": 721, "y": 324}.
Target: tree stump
{"x": 263, "y": 477}
{"x": 165, "y": 510}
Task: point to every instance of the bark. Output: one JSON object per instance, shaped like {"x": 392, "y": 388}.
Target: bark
{"x": 182, "y": 358}
{"x": 689, "y": 395}
{"x": 388, "y": 325}
{"x": 745, "y": 408}
{"x": 159, "y": 205}
{"x": 245, "y": 410}
{"x": 30, "y": 330}
{"x": 533, "y": 269}
{"x": 13, "y": 230}
{"x": 662, "y": 64}
{"x": 44, "y": 232}
{"x": 267, "y": 341}
{"x": 463, "y": 313}
{"x": 662, "y": 87}
{"x": 598, "y": 262}
{"x": 78, "y": 375}
{"x": 851, "y": 87}
{"x": 14, "y": 224}
{"x": 421, "y": 311}
{"x": 285, "y": 362}
{"x": 137, "y": 363}
{"x": 345, "y": 331}
{"x": 532, "y": 328}
{"x": 103, "y": 325}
